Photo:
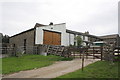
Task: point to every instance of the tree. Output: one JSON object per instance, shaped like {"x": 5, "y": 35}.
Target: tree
{"x": 79, "y": 40}
{"x": 5, "y": 39}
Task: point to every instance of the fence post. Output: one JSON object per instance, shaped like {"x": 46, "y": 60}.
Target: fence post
{"x": 101, "y": 52}
{"x": 80, "y": 53}
{"x": 73, "y": 49}
{"x": 86, "y": 52}
{"x": 83, "y": 60}
{"x": 68, "y": 55}
{"x": 93, "y": 53}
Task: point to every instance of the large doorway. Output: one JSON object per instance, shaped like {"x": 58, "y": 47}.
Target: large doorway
{"x": 52, "y": 38}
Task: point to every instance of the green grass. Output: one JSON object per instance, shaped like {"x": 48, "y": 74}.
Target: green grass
{"x": 0, "y": 66}
{"x": 100, "y": 69}
{"x": 27, "y": 62}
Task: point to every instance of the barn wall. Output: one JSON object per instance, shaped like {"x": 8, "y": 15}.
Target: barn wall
{"x": 57, "y": 28}
{"x": 18, "y": 40}
{"x": 72, "y": 39}
{"x": 86, "y": 38}
{"x": 67, "y": 39}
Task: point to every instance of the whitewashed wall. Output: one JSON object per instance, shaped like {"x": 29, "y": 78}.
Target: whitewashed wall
{"x": 72, "y": 39}
{"x": 81, "y": 37}
{"x": 86, "y": 38}
{"x": 67, "y": 39}
{"x": 57, "y": 28}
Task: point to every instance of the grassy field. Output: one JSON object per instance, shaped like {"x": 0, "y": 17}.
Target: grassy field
{"x": 0, "y": 66}
{"x": 100, "y": 69}
{"x": 26, "y": 62}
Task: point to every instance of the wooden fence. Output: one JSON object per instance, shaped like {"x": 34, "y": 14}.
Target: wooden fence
{"x": 93, "y": 52}
{"x": 7, "y": 50}
{"x": 76, "y": 52}
{"x": 117, "y": 51}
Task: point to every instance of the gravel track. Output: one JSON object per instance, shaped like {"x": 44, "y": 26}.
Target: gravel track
{"x": 52, "y": 71}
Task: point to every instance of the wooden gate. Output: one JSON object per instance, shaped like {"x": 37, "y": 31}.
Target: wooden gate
{"x": 91, "y": 52}
{"x": 95, "y": 52}
{"x": 52, "y": 38}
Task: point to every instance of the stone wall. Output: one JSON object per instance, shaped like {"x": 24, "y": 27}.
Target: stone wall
{"x": 18, "y": 41}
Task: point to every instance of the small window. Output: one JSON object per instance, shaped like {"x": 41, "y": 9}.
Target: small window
{"x": 74, "y": 43}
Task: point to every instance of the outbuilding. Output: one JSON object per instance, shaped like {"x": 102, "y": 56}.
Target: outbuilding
{"x": 52, "y": 34}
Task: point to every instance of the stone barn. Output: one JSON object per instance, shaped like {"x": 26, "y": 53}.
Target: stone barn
{"x": 52, "y": 34}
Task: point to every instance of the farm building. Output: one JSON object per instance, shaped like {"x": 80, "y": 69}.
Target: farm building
{"x": 113, "y": 40}
{"x": 52, "y": 34}
{"x": 1, "y": 36}
{"x": 4, "y": 42}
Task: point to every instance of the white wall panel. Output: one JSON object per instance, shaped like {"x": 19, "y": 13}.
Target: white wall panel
{"x": 57, "y": 28}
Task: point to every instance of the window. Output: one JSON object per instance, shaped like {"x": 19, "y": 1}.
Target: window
{"x": 74, "y": 43}
{"x": 24, "y": 44}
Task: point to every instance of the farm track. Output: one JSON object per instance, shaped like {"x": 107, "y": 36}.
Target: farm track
{"x": 52, "y": 71}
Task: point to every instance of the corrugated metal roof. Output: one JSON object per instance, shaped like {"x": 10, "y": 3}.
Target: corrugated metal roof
{"x": 110, "y": 36}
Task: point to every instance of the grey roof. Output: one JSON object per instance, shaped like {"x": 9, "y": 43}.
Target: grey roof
{"x": 80, "y": 33}
{"x": 40, "y": 25}
{"x": 74, "y": 32}
{"x": 110, "y": 36}
{"x": 89, "y": 35}
{"x": 36, "y": 25}
{"x": 23, "y": 32}
{"x": 68, "y": 31}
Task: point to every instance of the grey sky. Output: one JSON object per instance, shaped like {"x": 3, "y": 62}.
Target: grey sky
{"x": 99, "y": 17}
{"x": 119, "y": 18}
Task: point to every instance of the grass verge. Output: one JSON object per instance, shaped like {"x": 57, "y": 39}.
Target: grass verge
{"x": 100, "y": 69}
{"x": 27, "y": 62}
{"x": 0, "y": 66}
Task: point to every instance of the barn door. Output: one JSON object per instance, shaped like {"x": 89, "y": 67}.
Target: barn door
{"x": 52, "y": 38}
{"x": 56, "y": 38}
{"x": 47, "y": 39}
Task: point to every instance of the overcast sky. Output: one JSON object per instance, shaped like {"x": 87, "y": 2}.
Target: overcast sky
{"x": 99, "y": 17}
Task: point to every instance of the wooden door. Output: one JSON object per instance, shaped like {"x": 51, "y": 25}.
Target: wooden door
{"x": 56, "y": 38}
{"x": 52, "y": 38}
{"x": 47, "y": 39}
